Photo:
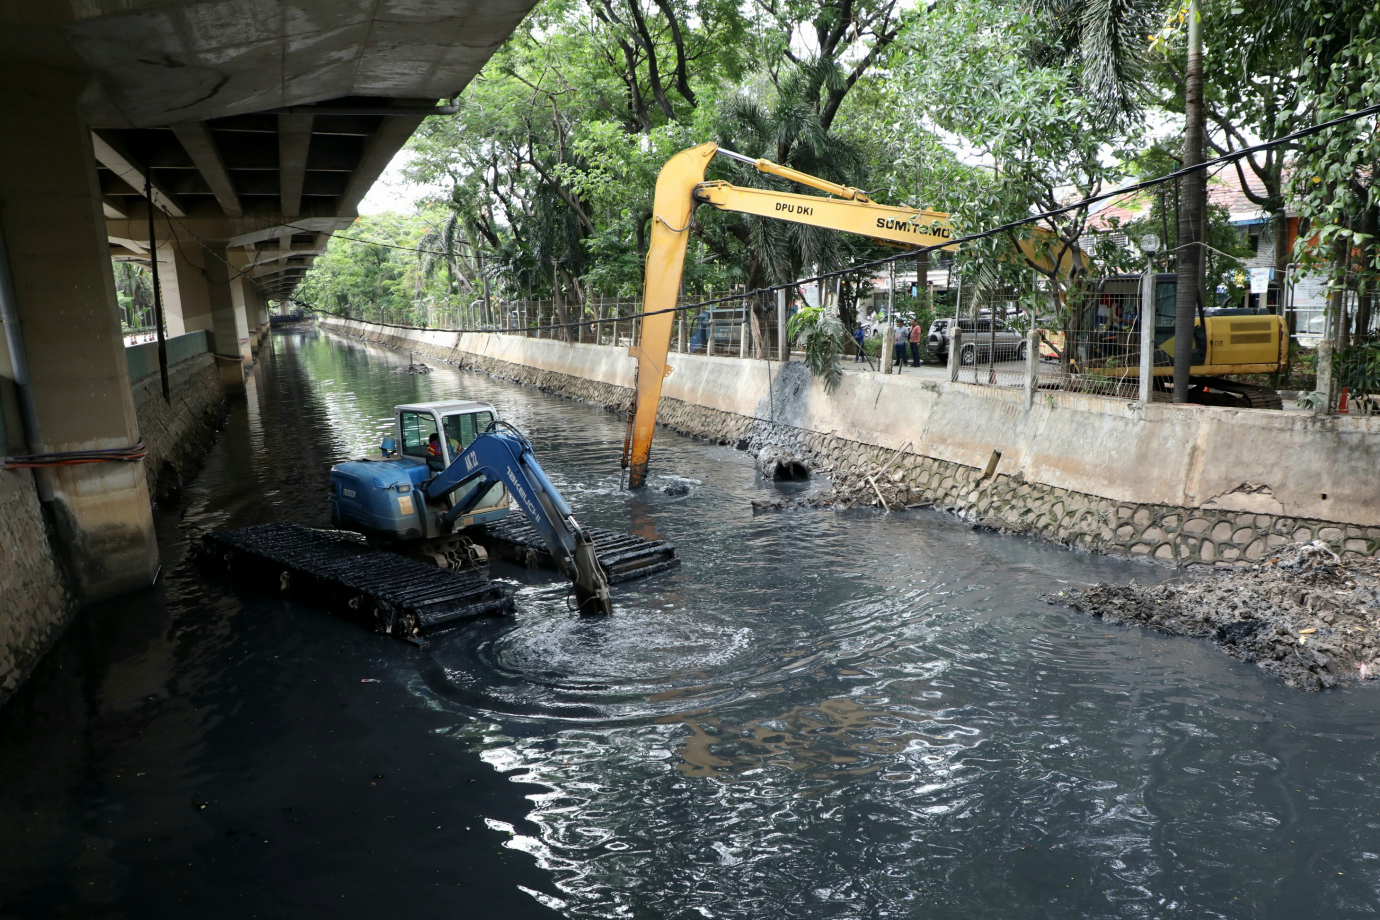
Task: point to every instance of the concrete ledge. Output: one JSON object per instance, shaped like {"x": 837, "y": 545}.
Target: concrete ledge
{"x": 143, "y": 358}
{"x": 1178, "y": 483}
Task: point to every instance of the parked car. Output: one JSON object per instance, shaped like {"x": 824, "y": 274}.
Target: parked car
{"x": 979, "y": 341}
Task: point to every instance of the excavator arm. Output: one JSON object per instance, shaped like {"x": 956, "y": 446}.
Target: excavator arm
{"x": 502, "y": 454}
{"x": 679, "y": 188}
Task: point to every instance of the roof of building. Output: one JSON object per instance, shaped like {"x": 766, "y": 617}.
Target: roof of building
{"x": 1224, "y": 189}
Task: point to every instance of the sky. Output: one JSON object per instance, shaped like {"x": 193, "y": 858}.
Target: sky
{"x": 392, "y": 192}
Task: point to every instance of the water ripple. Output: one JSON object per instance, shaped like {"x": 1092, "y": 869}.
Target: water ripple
{"x": 864, "y": 715}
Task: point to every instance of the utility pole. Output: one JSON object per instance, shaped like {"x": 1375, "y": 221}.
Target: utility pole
{"x": 484, "y": 280}
{"x": 1147, "y": 321}
{"x": 157, "y": 291}
{"x": 889, "y": 330}
{"x": 1191, "y": 215}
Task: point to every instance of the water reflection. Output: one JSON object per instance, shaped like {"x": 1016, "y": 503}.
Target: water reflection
{"x": 836, "y": 738}
{"x": 819, "y": 715}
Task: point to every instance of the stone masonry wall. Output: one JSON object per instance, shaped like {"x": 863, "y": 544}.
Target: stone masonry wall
{"x": 1164, "y": 534}
{"x": 178, "y": 433}
{"x": 34, "y": 604}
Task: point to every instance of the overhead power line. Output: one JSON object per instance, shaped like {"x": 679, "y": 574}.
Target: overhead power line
{"x": 972, "y": 237}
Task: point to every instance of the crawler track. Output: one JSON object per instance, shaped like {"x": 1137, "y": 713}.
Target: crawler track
{"x": 339, "y": 572}
{"x": 622, "y": 556}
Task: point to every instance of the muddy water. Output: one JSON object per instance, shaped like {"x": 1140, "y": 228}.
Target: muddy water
{"x": 818, "y": 715}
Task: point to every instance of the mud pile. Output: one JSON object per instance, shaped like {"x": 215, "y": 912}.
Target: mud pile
{"x": 1302, "y": 614}
{"x": 853, "y": 489}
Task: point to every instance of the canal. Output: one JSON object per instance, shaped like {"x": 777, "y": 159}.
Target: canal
{"x": 822, "y": 715}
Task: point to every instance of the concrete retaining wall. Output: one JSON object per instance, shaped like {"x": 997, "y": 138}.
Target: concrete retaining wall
{"x": 143, "y": 358}
{"x": 1183, "y": 484}
{"x": 36, "y": 602}
{"x": 178, "y": 433}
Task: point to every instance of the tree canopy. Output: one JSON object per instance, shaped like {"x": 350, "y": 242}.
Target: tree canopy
{"x": 990, "y": 110}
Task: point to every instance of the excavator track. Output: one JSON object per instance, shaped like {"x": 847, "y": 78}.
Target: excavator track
{"x": 1243, "y": 395}
{"x": 339, "y": 572}
{"x": 622, "y": 556}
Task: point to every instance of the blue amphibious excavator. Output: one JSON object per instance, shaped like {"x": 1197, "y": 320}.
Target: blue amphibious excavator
{"x": 446, "y": 472}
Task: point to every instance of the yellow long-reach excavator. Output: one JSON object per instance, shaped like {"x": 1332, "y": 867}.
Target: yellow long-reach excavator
{"x": 680, "y": 187}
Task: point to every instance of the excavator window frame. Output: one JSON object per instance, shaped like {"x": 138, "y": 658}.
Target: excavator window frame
{"x": 464, "y": 435}
{"x": 404, "y": 446}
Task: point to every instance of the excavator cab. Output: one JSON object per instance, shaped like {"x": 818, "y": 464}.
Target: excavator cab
{"x": 382, "y": 496}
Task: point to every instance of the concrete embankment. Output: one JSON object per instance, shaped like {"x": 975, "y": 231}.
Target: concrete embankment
{"x": 37, "y": 598}
{"x": 1178, "y": 484}
{"x": 178, "y": 431}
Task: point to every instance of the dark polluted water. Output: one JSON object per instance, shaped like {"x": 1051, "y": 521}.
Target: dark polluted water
{"x": 819, "y": 715}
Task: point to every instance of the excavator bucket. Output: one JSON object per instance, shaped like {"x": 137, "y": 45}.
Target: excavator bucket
{"x": 591, "y": 588}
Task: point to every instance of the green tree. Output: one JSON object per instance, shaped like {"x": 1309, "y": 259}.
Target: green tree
{"x": 1041, "y": 142}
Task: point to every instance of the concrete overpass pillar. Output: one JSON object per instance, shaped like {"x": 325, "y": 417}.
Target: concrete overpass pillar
{"x": 64, "y": 293}
{"x": 242, "y": 293}
{"x": 252, "y": 296}
{"x": 229, "y": 329}
{"x": 186, "y": 303}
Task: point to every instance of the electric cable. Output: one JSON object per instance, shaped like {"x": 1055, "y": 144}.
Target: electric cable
{"x": 912, "y": 253}
{"x": 74, "y": 457}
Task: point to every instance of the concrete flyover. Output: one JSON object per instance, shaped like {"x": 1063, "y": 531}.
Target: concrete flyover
{"x": 248, "y": 130}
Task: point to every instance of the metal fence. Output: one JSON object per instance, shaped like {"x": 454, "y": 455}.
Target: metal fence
{"x": 1101, "y": 336}
{"x": 742, "y": 326}
{"x": 1085, "y": 341}
{"x": 987, "y": 335}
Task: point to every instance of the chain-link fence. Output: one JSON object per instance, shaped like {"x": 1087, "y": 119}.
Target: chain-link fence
{"x": 987, "y": 338}
{"x": 1101, "y": 338}
{"x": 740, "y": 325}
{"x": 1086, "y": 340}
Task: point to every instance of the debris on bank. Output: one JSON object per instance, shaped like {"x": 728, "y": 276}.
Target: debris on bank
{"x": 1304, "y": 614}
{"x": 853, "y": 489}
{"x": 414, "y": 367}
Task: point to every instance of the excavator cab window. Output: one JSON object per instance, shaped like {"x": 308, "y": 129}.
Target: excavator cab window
{"x": 461, "y": 430}
{"x": 1166, "y": 293}
{"x": 417, "y": 429}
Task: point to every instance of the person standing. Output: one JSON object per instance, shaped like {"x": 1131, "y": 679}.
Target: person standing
{"x": 915, "y": 333}
{"x": 898, "y": 355}
{"x": 859, "y": 337}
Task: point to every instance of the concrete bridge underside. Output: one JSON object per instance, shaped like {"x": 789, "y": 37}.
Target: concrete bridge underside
{"x": 250, "y": 130}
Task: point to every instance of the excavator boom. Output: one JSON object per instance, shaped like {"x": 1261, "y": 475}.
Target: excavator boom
{"x": 505, "y": 456}
{"x": 679, "y": 187}
{"x": 908, "y": 226}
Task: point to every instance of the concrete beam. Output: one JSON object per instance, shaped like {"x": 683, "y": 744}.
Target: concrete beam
{"x": 302, "y": 225}
{"x": 294, "y": 143}
{"x": 274, "y": 269}
{"x": 113, "y": 209}
{"x": 132, "y": 245}
{"x": 113, "y": 157}
{"x": 196, "y": 139}
{"x": 379, "y": 150}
